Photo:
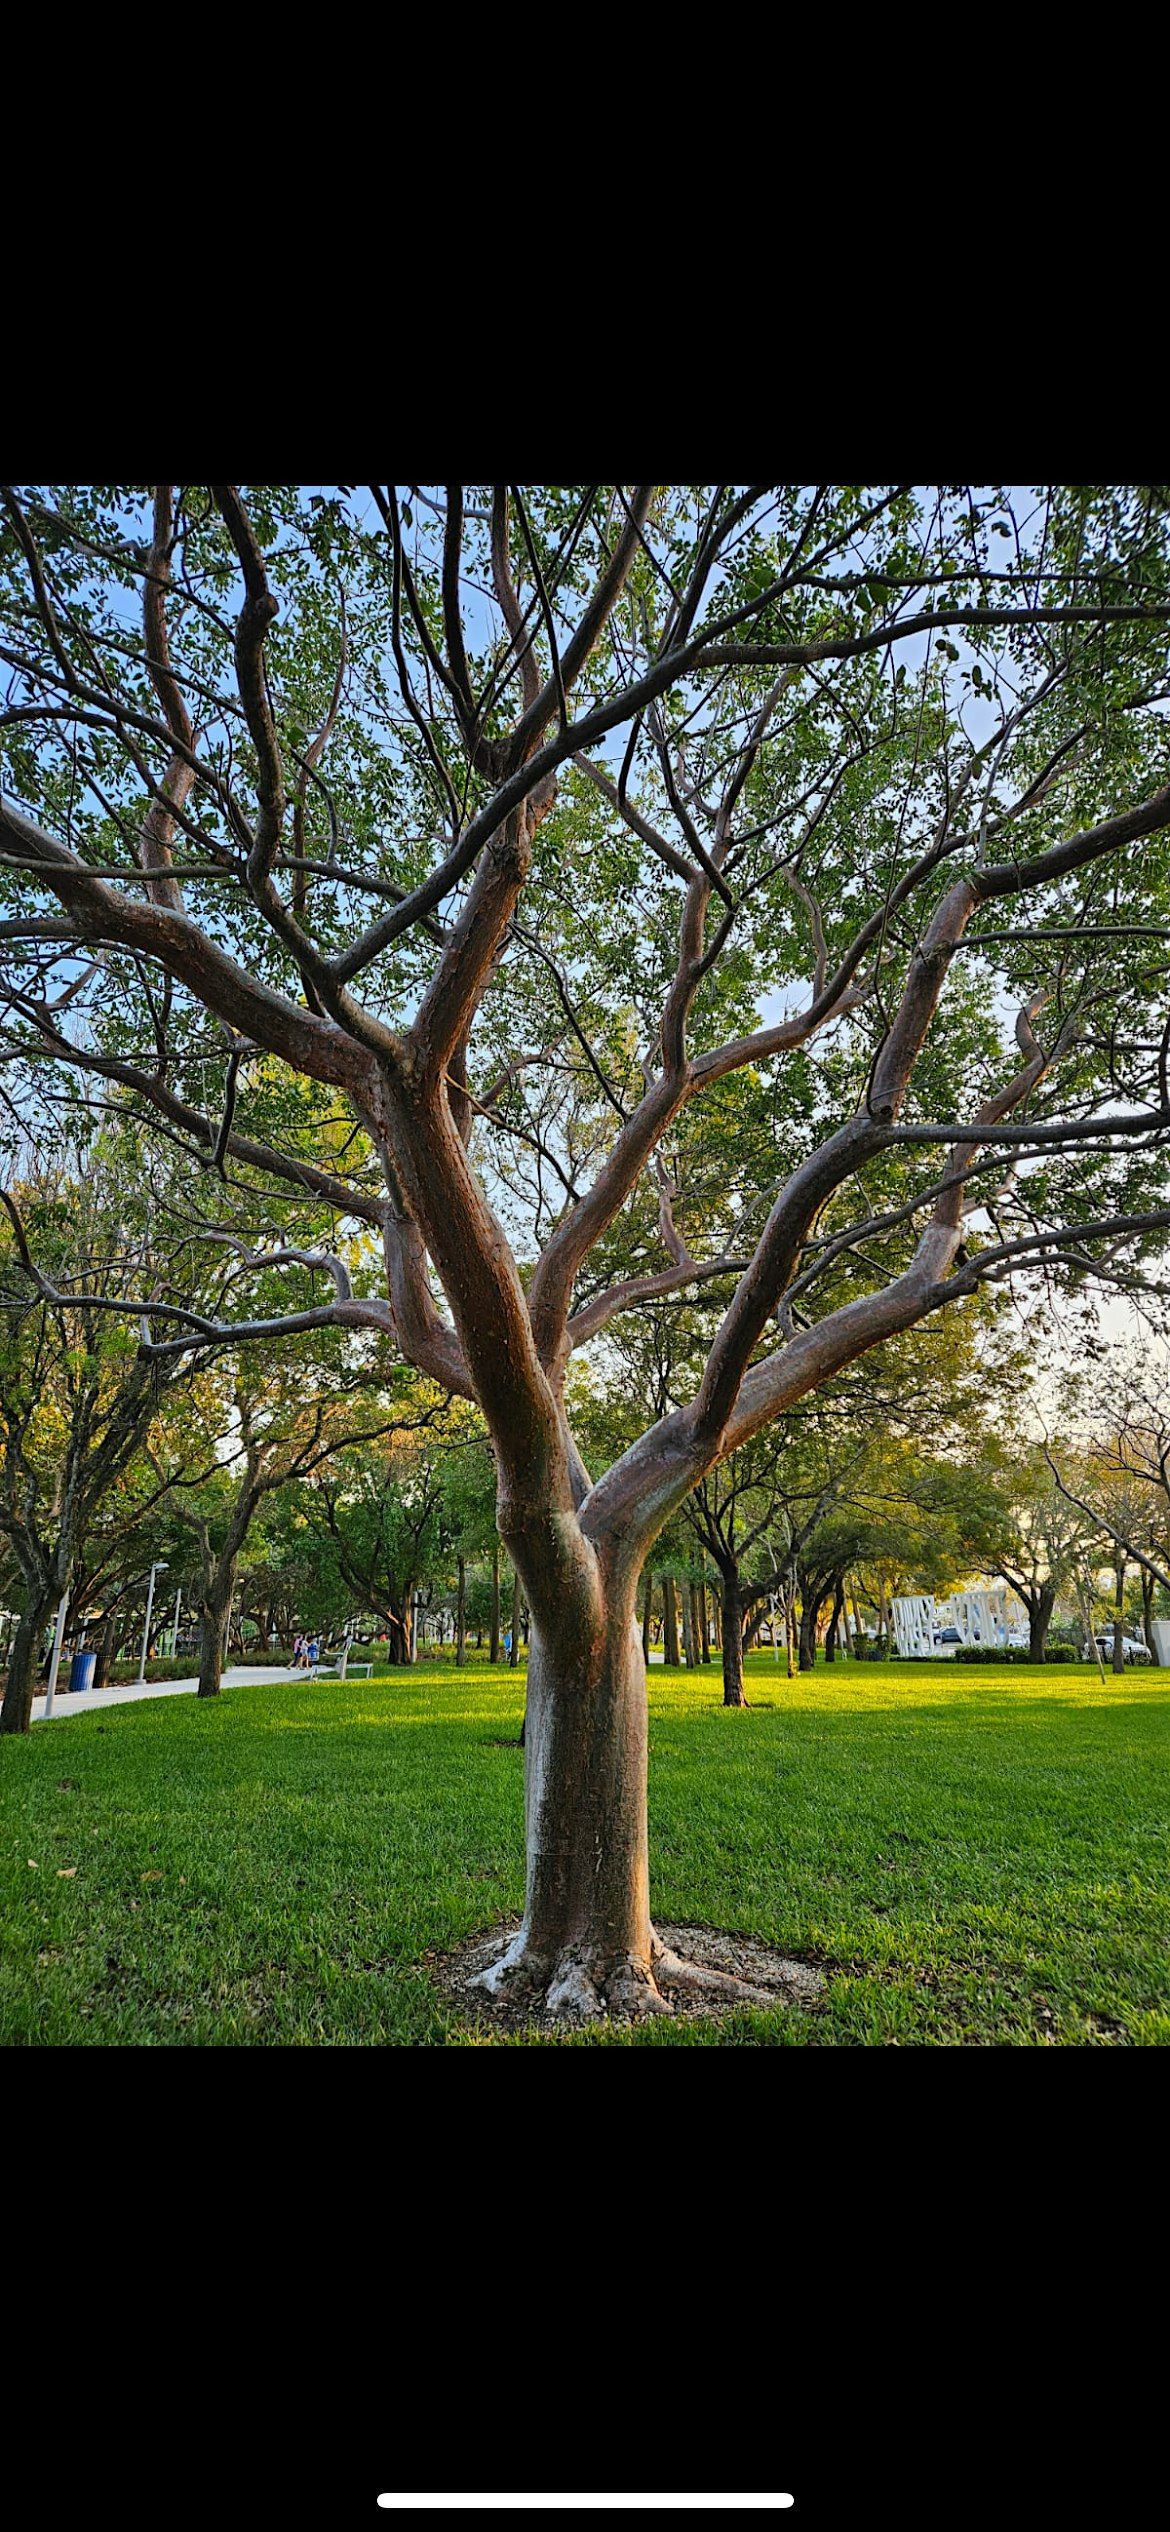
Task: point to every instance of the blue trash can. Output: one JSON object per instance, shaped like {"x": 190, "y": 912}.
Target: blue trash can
{"x": 81, "y": 1671}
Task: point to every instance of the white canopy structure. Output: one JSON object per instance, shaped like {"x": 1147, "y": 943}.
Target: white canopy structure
{"x": 989, "y": 1616}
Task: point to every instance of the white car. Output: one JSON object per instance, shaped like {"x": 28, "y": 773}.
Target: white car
{"x": 1134, "y": 1648}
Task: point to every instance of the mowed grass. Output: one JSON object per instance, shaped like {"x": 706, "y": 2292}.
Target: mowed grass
{"x": 975, "y": 1860}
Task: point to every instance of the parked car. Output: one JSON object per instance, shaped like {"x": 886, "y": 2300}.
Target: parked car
{"x": 949, "y": 1635}
{"x": 1134, "y": 1648}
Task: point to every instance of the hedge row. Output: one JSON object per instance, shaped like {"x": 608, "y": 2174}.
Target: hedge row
{"x": 1014, "y": 1653}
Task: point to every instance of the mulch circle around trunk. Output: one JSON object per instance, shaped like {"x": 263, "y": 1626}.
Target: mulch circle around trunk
{"x": 783, "y": 1981}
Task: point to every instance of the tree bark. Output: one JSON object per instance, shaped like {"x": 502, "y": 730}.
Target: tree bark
{"x": 809, "y": 1611}
{"x": 514, "y": 1655}
{"x": 647, "y": 1611}
{"x": 1148, "y": 1613}
{"x": 733, "y": 1693}
{"x": 23, "y": 1665}
{"x": 835, "y": 1620}
{"x": 1041, "y": 1604}
{"x": 586, "y": 1941}
{"x": 704, "y": 1631}
{"x": 216, "y": 1606}
{"x": 101, "y": 1677}
{"x": 688, "y": 1617}
{"x": 669, "y": 1624}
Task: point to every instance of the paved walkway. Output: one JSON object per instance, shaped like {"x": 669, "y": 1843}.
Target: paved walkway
{"x": 128, "y": 1693}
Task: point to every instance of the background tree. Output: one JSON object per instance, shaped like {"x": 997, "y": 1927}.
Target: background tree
{"x": 382, "y": 1516}
{"x": 266, "y": 1419}
{"x": 78, "y": 1396}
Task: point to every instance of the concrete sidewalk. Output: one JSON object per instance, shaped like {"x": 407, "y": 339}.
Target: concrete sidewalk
{"x": 128, "y": 1693}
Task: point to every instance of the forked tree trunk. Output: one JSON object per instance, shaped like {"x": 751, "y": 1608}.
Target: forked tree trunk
{"x": 400, "y": 1631}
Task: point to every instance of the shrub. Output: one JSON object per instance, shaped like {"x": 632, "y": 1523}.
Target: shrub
{"x": 1014, "y": 1653}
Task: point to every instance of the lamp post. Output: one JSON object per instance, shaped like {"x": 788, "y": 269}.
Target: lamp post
{"x": 159, "y": 1567}
{"x": 175, "y": 1628}
{"x": 55, "y": 1663}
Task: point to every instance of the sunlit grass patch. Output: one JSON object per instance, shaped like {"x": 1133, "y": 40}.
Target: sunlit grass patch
{"x": 975, "y": 1858}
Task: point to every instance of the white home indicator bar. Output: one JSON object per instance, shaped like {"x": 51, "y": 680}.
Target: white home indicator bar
{"x": 707, "y": 2503}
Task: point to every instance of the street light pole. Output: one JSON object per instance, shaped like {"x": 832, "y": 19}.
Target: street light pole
{"x": 175, "y": 1629}
{"x": 55, "y": 1664}
{"x": 159, "y": 1567}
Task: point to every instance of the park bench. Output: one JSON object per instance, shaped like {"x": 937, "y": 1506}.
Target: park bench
{"x": 353, "y": 1670}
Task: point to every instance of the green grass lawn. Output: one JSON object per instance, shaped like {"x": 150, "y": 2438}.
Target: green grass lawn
{"x": 975, "y": 1858}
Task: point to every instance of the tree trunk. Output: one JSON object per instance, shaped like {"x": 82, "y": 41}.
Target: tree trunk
{"x": 688, "y": 1619}
{"x": 586, "y": 1941}
{"x": 494, "y": 1654}
{"x": 752, "y": 1625}
{"x": 647, "y": 1611}
{"x": 1041, "y": 1604}
{"x": 23, "y": 1665}
{"x": 216, "y": 1608}
{"x": 587, "y": 1945}
{"x": 461, "y": 1616}
{"x": 514, "y": 1655}
{"x": 704, "y": 1631}
{"x": 1119, "y": 1616}
{"x": 834, "y": 1622}
{"x": 732, "y": 1642}
{"x": 669, "y": 1624}
{"x": 809, "y": 1612}
{"x": 101, "y": 1677}
{"x": 1148, "y": 1613}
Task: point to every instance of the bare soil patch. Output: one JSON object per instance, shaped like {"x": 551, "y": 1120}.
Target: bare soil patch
{"x": 768, "y": 1977}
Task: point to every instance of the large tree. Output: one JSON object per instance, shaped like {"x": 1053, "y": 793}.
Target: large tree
{"x": 524, "y": 822}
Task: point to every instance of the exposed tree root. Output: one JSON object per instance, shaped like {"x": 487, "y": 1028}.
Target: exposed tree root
{"x": 670, "y": 1970}
{"x": 582, "y": 1983}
